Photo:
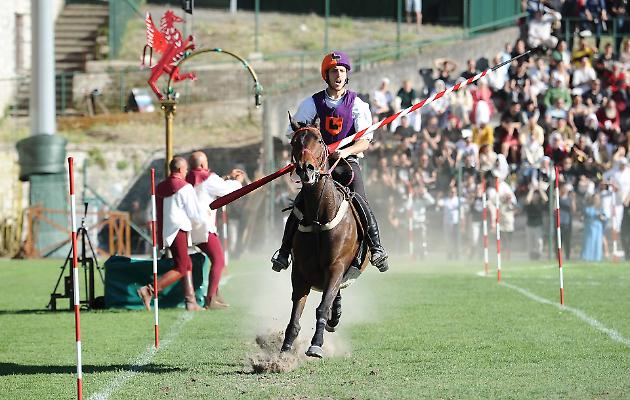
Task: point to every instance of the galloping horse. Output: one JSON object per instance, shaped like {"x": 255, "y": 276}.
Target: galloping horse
{"x": 327, "y": 241}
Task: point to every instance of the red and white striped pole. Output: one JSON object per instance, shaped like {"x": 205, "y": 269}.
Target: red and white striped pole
{"x": 498, "y": 220}
{"x": 613, "y": 231}
{"x": 484, "y": 223}
{"x": 226, "y": 242}
{"x": 410, "y": 218}
{"x": 75, "y": 279}
{"x": 154, "y": 258}
{"x": 558, "y": 238}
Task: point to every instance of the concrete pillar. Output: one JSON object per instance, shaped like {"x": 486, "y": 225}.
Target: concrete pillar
{"x": 42, "y": 102}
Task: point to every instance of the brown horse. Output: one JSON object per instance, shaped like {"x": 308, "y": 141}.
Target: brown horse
{"x": 327, "y": 241}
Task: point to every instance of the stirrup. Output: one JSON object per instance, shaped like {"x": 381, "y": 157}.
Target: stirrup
{"x": 278, "y": 264}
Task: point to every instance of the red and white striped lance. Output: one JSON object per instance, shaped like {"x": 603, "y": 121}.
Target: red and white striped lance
{"x": 230, "y": 197}
{"x": 436, "y": 96}
{"x": 498, "y": 221}
{"x": 226, "y": 242}
{"x": 156, "y": 322}
{"x": 484, "y": 223}
{"x": 75, "y": 278}
{"x": 559, "y": 237}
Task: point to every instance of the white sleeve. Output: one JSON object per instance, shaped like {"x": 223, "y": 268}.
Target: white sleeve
{"x": 362, "y": 117}
{"x": 189, "y": 203}
{"x": 306, "y": 113}
{"x": 215, "y": 186}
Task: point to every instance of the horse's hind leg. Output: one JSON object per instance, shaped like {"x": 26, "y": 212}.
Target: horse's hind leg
{"x": 300, "y": 293}
{"x": 322, "y": 314}
{"x": 335, "y": 314}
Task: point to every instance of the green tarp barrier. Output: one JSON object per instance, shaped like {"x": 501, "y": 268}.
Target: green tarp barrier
{"x": 124, "y": 276}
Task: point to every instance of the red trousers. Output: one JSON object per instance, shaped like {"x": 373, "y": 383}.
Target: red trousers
{"x": 213, "y": 250}
{"x": 179, "y": 249}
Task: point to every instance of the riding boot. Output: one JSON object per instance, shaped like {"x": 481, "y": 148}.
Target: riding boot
{"x": 147, "y": 292}
{"x": 189, "y": 293}
{"x": 379, "y": 255}
{"x": 280, "y": 259}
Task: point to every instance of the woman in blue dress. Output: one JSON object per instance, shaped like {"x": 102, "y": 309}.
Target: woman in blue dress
{"x": 594, "y": 221}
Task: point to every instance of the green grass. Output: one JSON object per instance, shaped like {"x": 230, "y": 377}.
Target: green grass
{"x": 418, "y": 331}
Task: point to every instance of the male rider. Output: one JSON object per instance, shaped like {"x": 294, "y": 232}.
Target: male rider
{"x": 341, "y": 113}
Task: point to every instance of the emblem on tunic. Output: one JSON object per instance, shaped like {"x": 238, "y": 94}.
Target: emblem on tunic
{"x": 333, "y": 125}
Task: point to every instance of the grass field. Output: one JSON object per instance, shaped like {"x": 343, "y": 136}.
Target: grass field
{"x": 418, "y": 331}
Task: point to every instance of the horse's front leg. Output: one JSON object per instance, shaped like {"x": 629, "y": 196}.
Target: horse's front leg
{"x": 335, "y": 314}
{"x": 300, "y": 293}
{"x": 323, "y": 311}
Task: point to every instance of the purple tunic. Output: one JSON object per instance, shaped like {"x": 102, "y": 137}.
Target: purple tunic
{"x": 335, "y": 123}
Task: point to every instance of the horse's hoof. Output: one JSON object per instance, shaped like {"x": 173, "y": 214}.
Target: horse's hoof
{"x": 285, "y": 348}
{"x": 331, "y": 327}
{"x": 315, "y": 351}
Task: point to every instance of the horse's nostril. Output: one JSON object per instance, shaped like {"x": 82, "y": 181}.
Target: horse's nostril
{"x": 310, "y": 167}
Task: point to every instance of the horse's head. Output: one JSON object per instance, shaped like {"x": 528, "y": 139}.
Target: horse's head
{"x": 309, "y": 152}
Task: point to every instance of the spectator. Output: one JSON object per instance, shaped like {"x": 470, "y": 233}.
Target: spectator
{"x": 507, "y": 208}
{"x": 618, "y": 13}
{"x": 583, "y": 75}
{"x": 535, "y": 206}
{"x": 440, "y": 108}
{"x": 594, "y": 221}
{"x": 568, "y": 208}
{"x": 557, "y": 92}
{"x": 583, "y": 50}
{"x": 450, "y": 205}
{"x": 414, "y": 7}
{"x": 445, "y": 67}
{"x": 432, "y": 133}
{"x": 624, "y": 55}
{"x": 539, "y": 33}
{"x": 471, "y": 69}
{"x": 405, "y": 98}
{"x": 561, "y": 55}
{"x": 594, "y": 17}
{"x": 382, "y": 100}
{"x": 483, "y": 134}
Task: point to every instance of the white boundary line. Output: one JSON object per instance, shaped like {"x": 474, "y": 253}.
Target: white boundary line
{"x": 143, "y": 359}
{"x": 613, "y": 334}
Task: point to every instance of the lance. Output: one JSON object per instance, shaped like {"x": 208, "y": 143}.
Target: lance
{"x": 230, "y": 197}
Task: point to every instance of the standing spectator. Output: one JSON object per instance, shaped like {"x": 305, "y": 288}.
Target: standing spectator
{"x": 535, "y": 206}
{"x": 539, "y": 32}
{"x": 422, "y": 200}
{"x": 506, "y": 222}
{"x": 567, "y": 211}
{"x": 450, "y": 205}
{"x": 594, "y": 16}
{"x": 618, "y": 12}
{"x": 594, "y": 221}
{"x": 625, "y": 227}
{"x": 414, "y": 7}
{"x": 475, "y": 206}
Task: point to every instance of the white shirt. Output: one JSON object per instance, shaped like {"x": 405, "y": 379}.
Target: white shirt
{"x": 180, "y": 212}
{"x": 621, "y": 180}
{"x": 206, "y": 192}
{"x": 360, "y": 113}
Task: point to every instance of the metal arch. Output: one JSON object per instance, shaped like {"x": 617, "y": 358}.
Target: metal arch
{"x": 258, "y": 89}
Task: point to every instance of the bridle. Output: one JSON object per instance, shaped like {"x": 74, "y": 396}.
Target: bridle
{"x": 303, "y": 170}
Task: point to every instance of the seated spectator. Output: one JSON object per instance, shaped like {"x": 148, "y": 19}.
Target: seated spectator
{"x": 427, "y": 171}
{"x": 404, "y": 130}
{"x": 609, "y": 120}
{"x": 519, "y": 86}
{"x": 583, "y": 75}
{"x": 481, "y": 94}
{"x": 405, "y": 98}
{"x": 445, "y": 67}
{"x": 432, "y": 134}
{"x": 557, "y": 149}
{"x": 539, "y": 32}
{"x": 578, "y": 113}
{"x": 561, "y": 55}
{"x": 453, "y": 131}
{"x": 539, "y": 78}
{"x": 483, "y": 134}
{"x": 461, "y": 104}
{"x": 581, "y": 151}
{"x": 499, "y": 78}
{"x": 440, "y": 108}
{"x": 605, "y": 61}
{"x": 506, "y": 141}
{"x": 561, "y": 74}
{"x": 602, "y": 152}
{"x": 487, "y": 159}
{"x": 624, "y": 55}
{"x": 583, "y": 50}
{"x": 594, "y": 97}
{"x": 531, "y": 148}
{"x": 530, "y": 111}
{"x": 566, "y": 133}
{"x": 471, "y": 69}
{"x": 466, "y": 149}
{"x": 557, "y": 92}
{"x": 520, "y": 48}
{"x": 382, "y": 100}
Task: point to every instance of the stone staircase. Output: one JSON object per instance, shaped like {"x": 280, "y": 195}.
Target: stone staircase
{"x": 76, "y": 32}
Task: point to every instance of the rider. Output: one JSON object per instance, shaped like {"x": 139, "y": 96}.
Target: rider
{"x": 341, "y": 113}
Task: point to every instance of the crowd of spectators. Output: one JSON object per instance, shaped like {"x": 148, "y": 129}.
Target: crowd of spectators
{"x": 563, "y": 105}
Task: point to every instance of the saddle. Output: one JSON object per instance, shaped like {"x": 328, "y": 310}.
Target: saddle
{"x": 354, "y": 270}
